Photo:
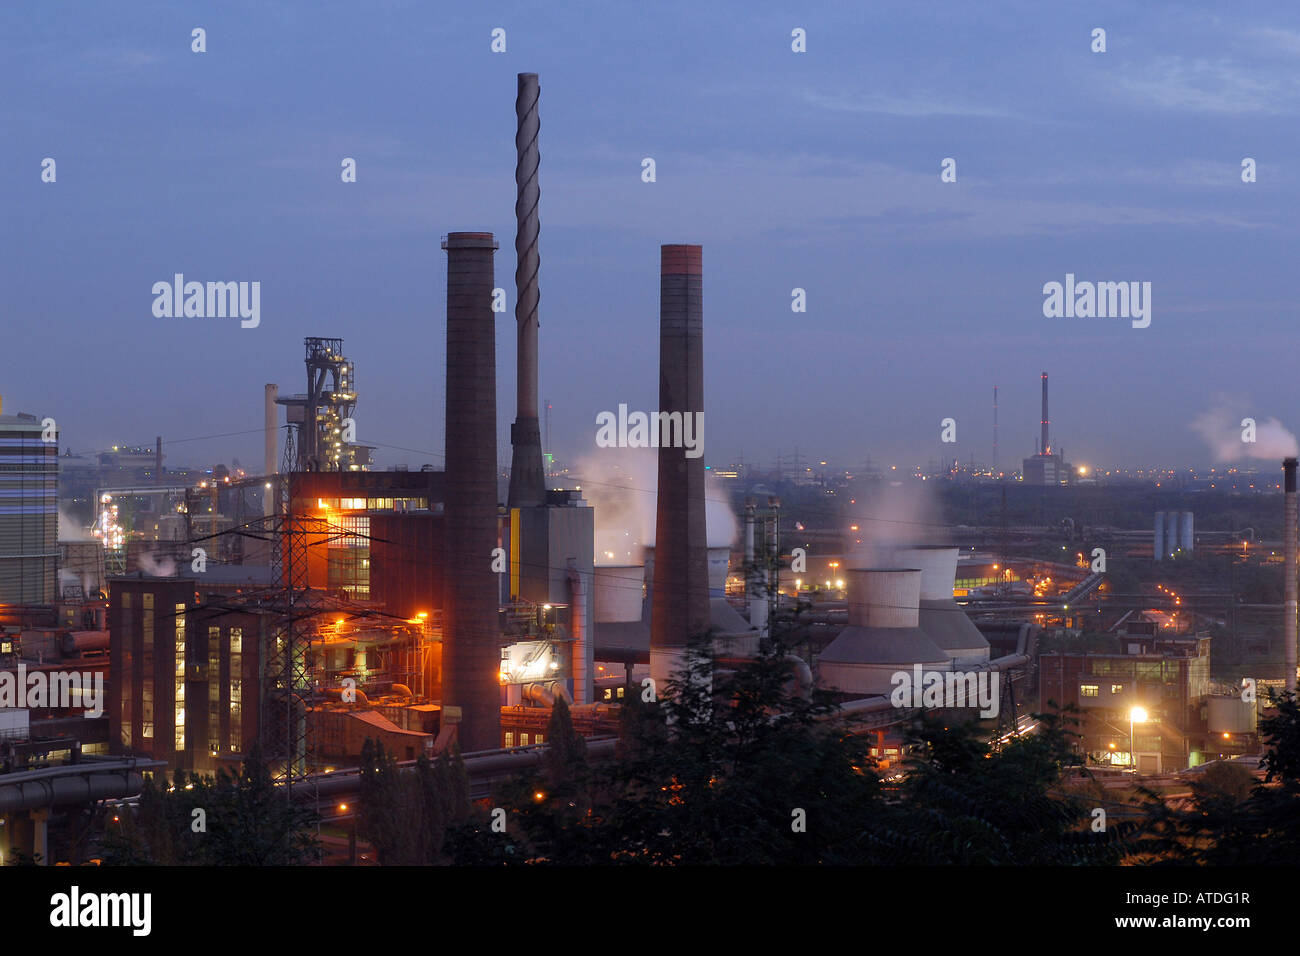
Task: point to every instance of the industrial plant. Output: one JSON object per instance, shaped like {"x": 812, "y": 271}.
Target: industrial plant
{"x": 314, "y": 609}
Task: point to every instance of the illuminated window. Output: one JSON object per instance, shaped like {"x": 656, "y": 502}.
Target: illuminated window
{"x": 523, "y": 740}
{"x": 510, "y": 738}
{"x": 609, "y": 694}
{"x": 1117, "y": 688}
{"x": 538, "y": 739}
{"x": 180, "y": 676}
{"x": 620, "y": 692}
{"x": 1089, "y": 690}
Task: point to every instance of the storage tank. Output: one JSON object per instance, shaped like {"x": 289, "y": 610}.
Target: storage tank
{"x": 1185, "y": 536}
{"x": 1172, "y": 544}
{"x": 1158, "y": 552}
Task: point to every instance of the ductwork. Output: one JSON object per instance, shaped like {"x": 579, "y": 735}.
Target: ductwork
{"x": 546, "y": 692}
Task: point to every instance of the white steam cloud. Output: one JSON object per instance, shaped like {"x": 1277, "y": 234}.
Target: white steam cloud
{"x": 1221, "y": 427}
{"x": 895, "y": 515}
{"x": 160, "y": 566}
{"x": 622, "y": 485}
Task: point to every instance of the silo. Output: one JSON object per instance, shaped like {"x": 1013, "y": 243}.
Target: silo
{"x": 1185, "y": 536}
{"x": 1158, "y": 552}
{"x": 1172, "y": 543}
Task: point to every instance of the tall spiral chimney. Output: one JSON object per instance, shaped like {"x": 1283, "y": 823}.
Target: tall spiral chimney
{"x": 527, "y": 475}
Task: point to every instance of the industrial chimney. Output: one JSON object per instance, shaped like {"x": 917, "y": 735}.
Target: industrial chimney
{"x": 1046, "y": 446}
{"x": 680, "y": 607}
{"x": 471, "y": 645}
{"x": 527, "y": 476}
{"x": 1289, "y": 553}
{"x": 271, "y": 445}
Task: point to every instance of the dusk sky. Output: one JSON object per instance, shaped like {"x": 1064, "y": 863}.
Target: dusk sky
{"x": 818, "y": 170}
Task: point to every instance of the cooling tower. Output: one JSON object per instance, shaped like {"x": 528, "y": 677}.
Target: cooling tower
{"x": 884, "y": 635}
{"x": 942, "y": 619}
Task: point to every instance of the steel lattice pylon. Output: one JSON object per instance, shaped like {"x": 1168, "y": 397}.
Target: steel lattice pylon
{"x": 286, "y": 730}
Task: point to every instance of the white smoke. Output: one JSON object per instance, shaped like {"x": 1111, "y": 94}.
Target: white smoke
{"x": 893, "y": 515}
{"x": 70, "y": 529}
{"x": 1222, "y": 429}
{"x": 160, "y": 566}
{"x": 622, "y": 485}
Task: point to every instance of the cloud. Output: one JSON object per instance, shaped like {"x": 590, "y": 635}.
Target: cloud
{"x": 1210, "y": 86}
{"x": 918, "y": 106}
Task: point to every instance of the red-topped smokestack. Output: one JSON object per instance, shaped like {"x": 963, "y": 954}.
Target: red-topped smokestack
{"x": 471, "y": 656}
{"x": 1047, "y": 445}
{"x": 1289, "y": 533}
{"x": 680, "y": 608}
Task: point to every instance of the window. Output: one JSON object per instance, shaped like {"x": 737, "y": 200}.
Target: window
{"x": 523, "y": 740}
{"x": 1117, "y": 688}
{"x": 609, "y": 694}
{"x": 620, "y": 692}
{"x": 1089, "y": 690}
{"x": 538, "y": 739}
{"x": 510, "y": 738}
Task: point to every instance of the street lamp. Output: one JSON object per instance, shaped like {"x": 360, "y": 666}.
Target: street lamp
{"x": 1137, "y": 715}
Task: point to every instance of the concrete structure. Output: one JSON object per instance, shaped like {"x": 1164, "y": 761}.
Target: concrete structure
{"x": 29, "y": 514}
{"x": 1186, "y": 536}
{"x": 471, "y": 633}
{"x": 1158, "y": 548}
{"x": 943, "y": 621}
{"x": 680, "y": 609}
{"x": 884, "y": 635}
{"x": 1172, "y": 544}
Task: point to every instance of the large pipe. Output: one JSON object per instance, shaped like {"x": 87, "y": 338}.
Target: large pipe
{"x": 527, "y": 477}
{"x": 1046, "y": 445}
{"x": 471, "y": 637}
{"x": 1289, "y": 551}
{"x": 681, "y": 573}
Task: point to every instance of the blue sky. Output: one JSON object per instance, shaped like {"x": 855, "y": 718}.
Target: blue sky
{"x": 817, "y": 170}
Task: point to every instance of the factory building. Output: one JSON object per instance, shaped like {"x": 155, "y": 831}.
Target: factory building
{"x": 1162, "y": 681}
{"x": 29, "y": 514}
